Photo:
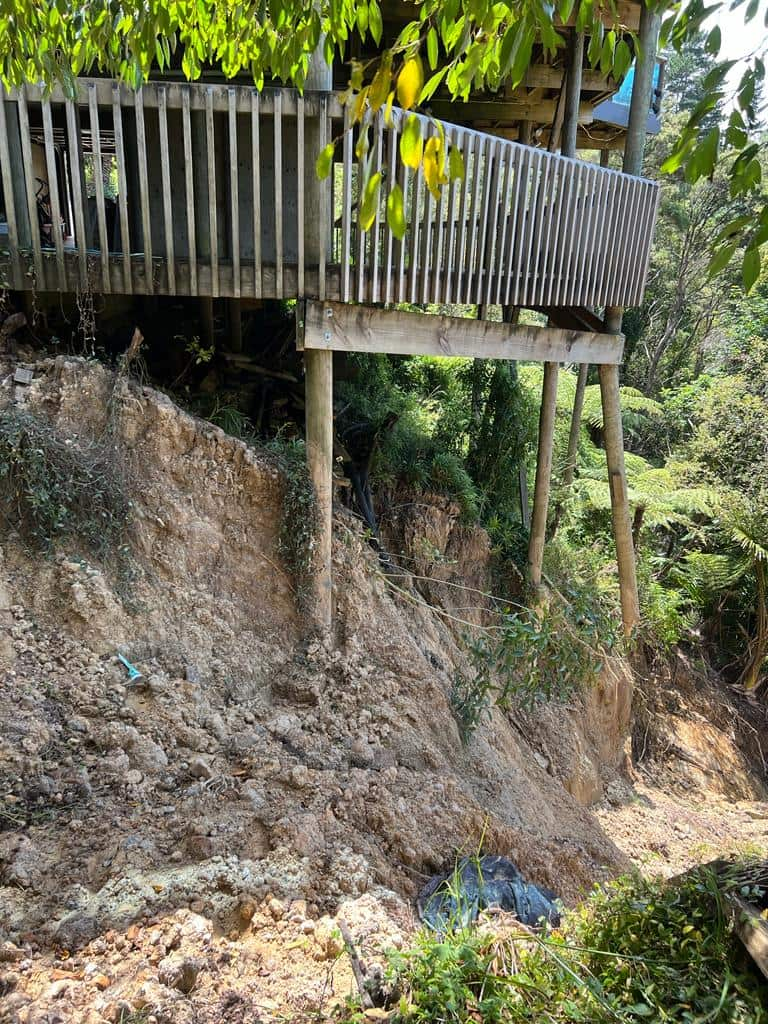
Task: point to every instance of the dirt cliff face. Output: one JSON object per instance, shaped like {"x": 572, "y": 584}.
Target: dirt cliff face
{"x": 250, "y": 764}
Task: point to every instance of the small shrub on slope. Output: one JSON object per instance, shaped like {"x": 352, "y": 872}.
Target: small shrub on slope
{"x": 52, "y": 487}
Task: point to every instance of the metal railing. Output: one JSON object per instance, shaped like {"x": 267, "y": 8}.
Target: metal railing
{"x": 210, "y": 189}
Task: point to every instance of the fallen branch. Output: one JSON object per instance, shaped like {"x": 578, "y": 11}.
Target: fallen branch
{"x": 358, "y": 967}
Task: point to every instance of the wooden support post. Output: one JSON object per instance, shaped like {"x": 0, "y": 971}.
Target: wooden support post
{"x": 235, "y": 325}
{"x": 575, "y": 66}
{"x": 511, "y": 315}
{"x": 617, "y": 480}
{"x": 543, "y": 474}
{"x": 318, "y": 383}
{"x": 634, "y": 148}
{"x": 206, "y": 319}
{"x": 318, "y": 365}
{"x": 573, "y": 94}
{"x": 573, "y": 435}
{"x": 648, "y": 42}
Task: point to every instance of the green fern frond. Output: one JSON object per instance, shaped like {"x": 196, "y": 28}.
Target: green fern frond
{"x": 632, "y": 401}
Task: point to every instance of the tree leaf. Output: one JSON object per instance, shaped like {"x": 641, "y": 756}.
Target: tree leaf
{"x": 455, "y": 164}
{"x": 409, "y": 82}
{"x": 433, "y": 159}
{"x": 411, "y": 142}
{"x": 324, "y": 162}
{"x": 370, "y": 203}
{"x": 432, "y": 48}
{"x": 432, "y": 84}
{"x": 721, "y": 259}
{"x": 622, "y": 59}
{"x": 382, "y": 80}
{"x": 750, "y": 268}
{"x": 362, "y": 19}
{"x": 704, "y": 158}
{"x": 375, "y": 23}
{"x": 396, "y": 212}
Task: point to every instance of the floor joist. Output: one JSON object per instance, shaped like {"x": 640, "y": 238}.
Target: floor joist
{"x": 337, "y": 326}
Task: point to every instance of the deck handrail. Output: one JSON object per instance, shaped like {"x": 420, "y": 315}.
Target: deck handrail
{"x": 524, "y": 227}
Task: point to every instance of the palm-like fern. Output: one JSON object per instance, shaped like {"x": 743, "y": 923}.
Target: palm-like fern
{"x": 738, "y": 571}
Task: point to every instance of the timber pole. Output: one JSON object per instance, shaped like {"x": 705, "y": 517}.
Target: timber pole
{"x": 573, "y": 434}
{"x": 634, "y": 150}
{"x": 617, "y": 481}
{"x": 570, "y": 127}
{"x": 318, "y": 369}
{"x": 572, "y": 94}
{"x": 543, "y": 475}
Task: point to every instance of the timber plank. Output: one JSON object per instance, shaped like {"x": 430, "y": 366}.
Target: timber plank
{"x": 344, "y": 328}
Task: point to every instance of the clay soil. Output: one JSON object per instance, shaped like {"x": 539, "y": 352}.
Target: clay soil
{"x": 185, "y": 847}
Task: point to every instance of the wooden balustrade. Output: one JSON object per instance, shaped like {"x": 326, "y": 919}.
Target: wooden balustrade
{"x": 200, "y": 189}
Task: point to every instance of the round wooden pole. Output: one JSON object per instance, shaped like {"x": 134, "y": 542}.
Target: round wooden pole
{"x": 634, "y": 148}
{"x": 573, "y": 435}
{"x": 318, "y": 383}
{"x": 543, "y": 474}
{"x": 617, "y": 480}
{"x": 318, "y": 365}
{"x": 572, "y": 94}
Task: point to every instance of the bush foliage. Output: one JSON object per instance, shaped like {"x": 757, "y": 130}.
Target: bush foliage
{"x": 634, "y": 951}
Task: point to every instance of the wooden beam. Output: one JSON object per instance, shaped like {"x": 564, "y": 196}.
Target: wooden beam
{"x": 752, "y": 930}
{"x": 546, "y": 76}
{"x": 336, "y": 326}
{"x": 537, "y": 111}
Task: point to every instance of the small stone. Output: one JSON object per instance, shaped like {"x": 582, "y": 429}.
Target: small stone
{"x": 200, "y": 769}
{"x": 299, "y": 776}
{"x": 133, "y": 777}
{"x": 179, "y": 973}
{"x": 275, "y": 907}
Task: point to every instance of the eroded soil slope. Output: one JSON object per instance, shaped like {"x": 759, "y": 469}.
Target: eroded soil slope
{"x": 183, "y": 847}
{"x": 252, "y": 786}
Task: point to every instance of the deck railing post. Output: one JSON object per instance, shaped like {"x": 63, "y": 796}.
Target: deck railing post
{"x": 318, "y": 365}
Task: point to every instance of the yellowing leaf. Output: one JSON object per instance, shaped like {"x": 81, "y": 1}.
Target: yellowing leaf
{"x": 409, "y": 82}
{"x": 396, "y": 212}
{"x": 370, "y": 202}
{"x": 380, "y": 87}
{"x": 455, "y": 164}
{"x": 411, "y": 142}
{"x": 433, "y": 166}
{"x": 359, "y": 107}
{"x": 388, "y": 109}
{"x": 324, "y": 162}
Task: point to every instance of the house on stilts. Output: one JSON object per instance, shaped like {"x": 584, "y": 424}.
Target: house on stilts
{"x": 208, "y": 190}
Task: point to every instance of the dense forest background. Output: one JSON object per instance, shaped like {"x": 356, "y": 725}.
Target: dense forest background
{"x": 695, "y": 385}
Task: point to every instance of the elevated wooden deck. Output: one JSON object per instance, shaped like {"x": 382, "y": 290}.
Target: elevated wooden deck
{"x": 211, "y": 184}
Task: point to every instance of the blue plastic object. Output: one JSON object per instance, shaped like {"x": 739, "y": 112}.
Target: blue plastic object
{"x": 133, "y": 672}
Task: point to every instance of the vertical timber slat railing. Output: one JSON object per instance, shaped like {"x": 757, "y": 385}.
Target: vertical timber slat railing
{"x": 523, "y": 226}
